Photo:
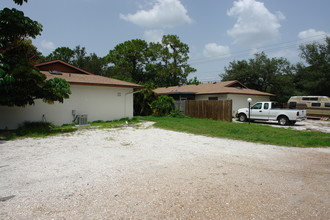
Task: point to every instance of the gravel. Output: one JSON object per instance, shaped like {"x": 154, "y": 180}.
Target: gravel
{"x": 307, "y": 125}
{"x": 149, "y": 173}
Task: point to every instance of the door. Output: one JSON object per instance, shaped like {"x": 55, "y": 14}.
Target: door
{"x": 260, "y": 111}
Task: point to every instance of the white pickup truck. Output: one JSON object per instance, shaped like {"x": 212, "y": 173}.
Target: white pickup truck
{"x": 270, "y": 111}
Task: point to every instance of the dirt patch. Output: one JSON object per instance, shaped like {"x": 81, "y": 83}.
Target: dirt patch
{"x": 150, "y": 173}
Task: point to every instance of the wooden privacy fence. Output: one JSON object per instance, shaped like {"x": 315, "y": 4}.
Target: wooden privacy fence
{"x": 217, "y": 110}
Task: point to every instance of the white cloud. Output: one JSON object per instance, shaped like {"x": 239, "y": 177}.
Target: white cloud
{"x": 154, "y": 35}
{"x": 255, "y": 25}
{"x": 215, "y": 50}
{"x": 313, "y": 35}
{"x": 47, "y": 45}
{"x": 164, "y": 13}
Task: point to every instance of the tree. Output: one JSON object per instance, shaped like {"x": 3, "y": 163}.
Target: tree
{"x": 160, "y": 64}
{"x": 142, "y": 100}
{"x": 20, "y": 2}
{"x": 273, "y": 75}
{"x": 78, "y": 57}
{"x": 194, "y": 81}
{"x": 128, "y": 61}
{"x": 22, "y": 83}
{"x": 314, "y": 79}
{"x": 175, "y": 56}
{"x": 62, "y": 53}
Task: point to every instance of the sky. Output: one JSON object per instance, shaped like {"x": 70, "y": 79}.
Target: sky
{"x": 216, "y": 31}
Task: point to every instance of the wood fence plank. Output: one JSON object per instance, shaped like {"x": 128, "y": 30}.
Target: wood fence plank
{"x": 217, "y": 110}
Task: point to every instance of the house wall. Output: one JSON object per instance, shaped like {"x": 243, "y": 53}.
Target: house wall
{"x": 99, "y": 103}
{"x": 206, "y": 97}
{"x": 239, "y": 101}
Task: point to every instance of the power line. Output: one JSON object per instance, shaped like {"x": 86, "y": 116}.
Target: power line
{"x": 284, "y": 45}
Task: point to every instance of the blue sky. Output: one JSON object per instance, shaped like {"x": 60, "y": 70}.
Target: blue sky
{"x": 217, "y": 31}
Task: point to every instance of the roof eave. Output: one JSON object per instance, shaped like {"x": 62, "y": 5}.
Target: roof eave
{"x": 236, "y": 93}
{"x": 107, "y": 85}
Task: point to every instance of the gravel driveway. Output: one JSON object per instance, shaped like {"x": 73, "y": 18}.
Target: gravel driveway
{"x": 149, "y": 173}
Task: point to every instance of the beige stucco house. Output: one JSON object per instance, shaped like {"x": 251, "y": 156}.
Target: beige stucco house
{"x": 226, "y": 90}
{"x": 93, "y": 97}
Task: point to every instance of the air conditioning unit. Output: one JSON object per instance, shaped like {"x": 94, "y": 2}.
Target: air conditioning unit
{"x": 82, "y": 119}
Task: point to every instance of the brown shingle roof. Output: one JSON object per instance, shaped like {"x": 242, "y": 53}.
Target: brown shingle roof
{"x": 226, "y": 87}
{"x": 77, "y": 76}
{"x": 92, "y": 80}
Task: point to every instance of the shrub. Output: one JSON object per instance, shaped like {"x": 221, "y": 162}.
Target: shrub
{"x": 162, "y": 106}
{"x": 177, "y": 114}
{"x": 35, "y": 128}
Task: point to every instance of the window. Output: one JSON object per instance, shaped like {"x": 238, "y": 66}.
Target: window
{"x": 316, "y": 104}
{"x": 275, "y": 105}
{"x": 257, "y": 106}
{"x": 266, "y": 106}
{"x": 327, "y": 105}
{"x": 292, "y": 105}
{"x": 310, "y": 98}
{"x": 213, "y": 98}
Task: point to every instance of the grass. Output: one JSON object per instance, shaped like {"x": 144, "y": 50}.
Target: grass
{"x": 45, "y": 129}
{"x": 238, "y": 131}
{"x": 243, "y": 131}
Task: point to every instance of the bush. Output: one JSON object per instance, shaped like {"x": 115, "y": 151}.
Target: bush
{"x": 35, "y": 128}
{"x": 177, "y": 114}
{"x": 162, "y": 106}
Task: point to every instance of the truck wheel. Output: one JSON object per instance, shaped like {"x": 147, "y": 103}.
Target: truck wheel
{"x": 242, "y": 117}
{"x": 283, "y": 120}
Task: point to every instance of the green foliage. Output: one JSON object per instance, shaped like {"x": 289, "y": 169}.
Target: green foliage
{"x": 194, "y": 81}
{"x": 273, "y": 75}
{"x": 34, "y": 128}
{"x": 15, "y": 27}
{"x": 61, "y": 53}
{"x": 279, "y": 77}
{"x": 243, "y": 131}
{"x": 177, "y": 114}
{"x": 44, "y": 129}
{"x": 314, "y": 79}
{"x": 20, "y": 2}
{"x": 142, "y": 100}
{"x": 160, "y": 64}
{"x": 78, "y": 57}
{"x": 175, "y": 56}
{"x": 21, "y": 82}
{"x": 163, "y": 106}
{"x": 115, "y": 123}
{"x": 56, "y": 89}
{"x": 128, "y": 61}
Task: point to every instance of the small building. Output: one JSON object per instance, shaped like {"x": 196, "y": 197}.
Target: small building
{"x": 92, "y": 98}
{"x": 226, "y": 90}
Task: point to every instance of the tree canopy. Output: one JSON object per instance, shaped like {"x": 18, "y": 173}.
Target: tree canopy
{"x": 314, "y": 79}
{"x": 273, "y": 75}
{"x": 21, "y": 82}
{"x": 20, "y": 2}
{"x": 278, "y": 76}
{"x": 159, "y": 64}
{"x": 78, "y": 57}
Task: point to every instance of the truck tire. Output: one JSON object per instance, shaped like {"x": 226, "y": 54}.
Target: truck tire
{"x": 283, "y": 120}
{"x": 242, "y": 117}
